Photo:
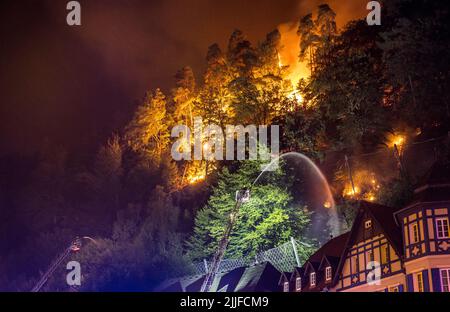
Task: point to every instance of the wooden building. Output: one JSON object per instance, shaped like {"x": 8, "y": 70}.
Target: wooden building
{"x": 388, "y": 250}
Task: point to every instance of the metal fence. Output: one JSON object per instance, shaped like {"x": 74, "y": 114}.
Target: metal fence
{"x": 282, "y": 257}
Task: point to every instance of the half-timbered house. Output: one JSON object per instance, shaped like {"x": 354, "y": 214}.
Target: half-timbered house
{"x": 391, "y": 250}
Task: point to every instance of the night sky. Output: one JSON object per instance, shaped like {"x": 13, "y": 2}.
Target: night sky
{"x": 76, "y": 85}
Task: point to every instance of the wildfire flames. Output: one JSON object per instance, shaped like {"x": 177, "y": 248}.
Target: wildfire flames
{"x": 290, "y": 49}
{"x": 196, "y": 178}
{"x": 396, "y": 139}
{"x": 365, "y": 186}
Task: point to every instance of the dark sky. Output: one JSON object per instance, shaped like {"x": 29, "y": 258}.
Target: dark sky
{"x": 75, "y": 85}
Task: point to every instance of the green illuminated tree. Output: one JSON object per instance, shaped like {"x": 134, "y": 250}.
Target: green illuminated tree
{"x": 269, "y": 219}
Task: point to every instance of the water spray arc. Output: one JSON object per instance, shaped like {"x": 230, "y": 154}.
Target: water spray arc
{"x": 243, "y": 196}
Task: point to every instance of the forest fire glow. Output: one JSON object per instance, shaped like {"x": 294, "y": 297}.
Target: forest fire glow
{"x": 396, "y": 139}
{"x": 350, "y": 191}
{"x": 365, "y": 186}
{"x": 196, "y": 178}
{"x": 295, "y": 95}
{"x": 288, "y": 55}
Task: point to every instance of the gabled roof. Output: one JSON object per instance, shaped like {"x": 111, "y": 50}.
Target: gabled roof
{"x": 259, "y": 277}
{"x": 384, "y": 218}
{"x": 329, "y": 261}
{"x": 226, "y": 282}
{"x": 332, "y": 248}
{"x": 285, "y": 276}
{"x": 332, "y": 252}
{"x": 297, "y": 271}
{"x": 310, "y": 266}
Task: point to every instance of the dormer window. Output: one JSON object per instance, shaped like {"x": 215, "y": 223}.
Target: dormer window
{"x": 442, "y": 228}
{"x": 312, "y": 279}
{"x": 298, "y": 284}
{"x": 368, "y": 224}
{"x": 286, "y": 287}
{"x": 328, "y": 273}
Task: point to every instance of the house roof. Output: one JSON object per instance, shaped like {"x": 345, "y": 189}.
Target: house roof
{"x": 332, "y": 261}
{"x": 192, "y": 283}
{"x": 332, "y": 251}
{"x": 227, "y": 282}
{"x": 297, "y": 271}
{"x": 332, "y": 248}
{"x": 259, "y": 277}
{"x": 384, "y": 216}
{"x": 285, "y": 277}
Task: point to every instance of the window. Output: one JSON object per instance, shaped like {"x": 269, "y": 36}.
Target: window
{"x": 394, "y": 289}
{"x": 328, "y": 273}
{"x": 368, "y": 224}
{"x": 415, "y": 233}
{"x": 445, "y": 280}
{"x": 355, "y": 264}
{"x": 312, "y": 279}
{"x": 442, "y": 228}
{"x": 370, "y": 256}
{"x": 298, "y": 284}
{"x": 384, "y": 254}
{"x": 419, "y": 282}
{"x": 286, "y": 287}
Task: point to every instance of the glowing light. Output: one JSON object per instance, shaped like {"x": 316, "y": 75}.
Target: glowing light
{"x": 295, "y": 95}
{"x": 280, "y": 64}
{"x": 327, "y": 204}
{"x": 366, "y": 186}
{"x": 196, "y": 179}
{"x": 396, "y": 139}
{"x": 350, "y": 192}
{"x": 399, "y": 140}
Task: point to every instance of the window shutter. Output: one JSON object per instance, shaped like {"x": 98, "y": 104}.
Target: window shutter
{"x": 409, "y": 280}
{"x": 426, "y": 281}
{"x": 436, "y": 280}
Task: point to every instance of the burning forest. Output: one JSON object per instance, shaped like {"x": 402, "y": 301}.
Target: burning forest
{"x": 352, "y": 113}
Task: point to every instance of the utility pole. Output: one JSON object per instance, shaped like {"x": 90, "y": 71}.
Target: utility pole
{"x": 398, "y": 157}
{"x": 349, "y": 170}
